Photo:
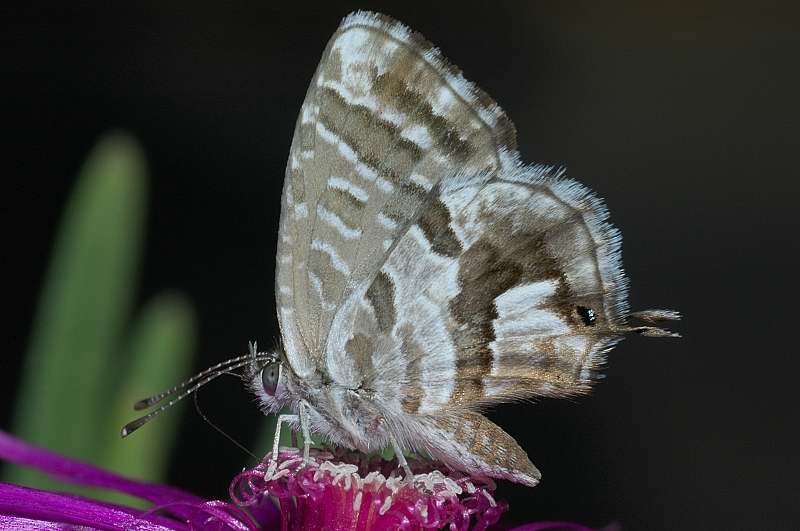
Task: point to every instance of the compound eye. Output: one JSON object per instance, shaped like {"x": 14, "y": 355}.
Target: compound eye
{"x": 270, "y": 375}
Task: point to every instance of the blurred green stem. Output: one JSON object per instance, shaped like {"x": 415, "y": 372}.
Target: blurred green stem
{"x": 79, "y": 381}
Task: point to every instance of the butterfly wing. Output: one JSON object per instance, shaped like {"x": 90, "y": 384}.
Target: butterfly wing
{"x": 422, "y": 270}
{"x": 413, "y": 243}
{"x": 385, "y": 119}
{"x": 527, "y": 303}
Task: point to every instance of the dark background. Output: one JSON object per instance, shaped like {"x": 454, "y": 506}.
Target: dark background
{"x": 684, "y": 118}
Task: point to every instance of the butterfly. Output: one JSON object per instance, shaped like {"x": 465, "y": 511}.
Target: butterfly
{"x": 424, "y": 273}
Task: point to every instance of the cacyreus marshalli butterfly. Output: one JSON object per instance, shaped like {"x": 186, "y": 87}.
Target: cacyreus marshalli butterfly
{"x": 423, "y": 271}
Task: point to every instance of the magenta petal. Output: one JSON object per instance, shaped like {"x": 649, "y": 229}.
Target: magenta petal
{"x": 266, "y": 514}
{"x": 17, "y": 451}
{"x": 52, "y": 507}
{"x": 215, "y": 513}
{"x": 16, "y": 523}
{"x": 20, "y": 502}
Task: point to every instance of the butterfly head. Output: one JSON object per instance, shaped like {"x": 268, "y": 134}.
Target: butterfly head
{"x": 267, "y": 379}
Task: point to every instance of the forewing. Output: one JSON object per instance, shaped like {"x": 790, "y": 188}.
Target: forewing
{"x": 385, "y": 119}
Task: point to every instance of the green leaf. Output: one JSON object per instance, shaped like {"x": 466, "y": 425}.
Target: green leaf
{"x": 72, "y": 364}
{"x": 160, "y": 355}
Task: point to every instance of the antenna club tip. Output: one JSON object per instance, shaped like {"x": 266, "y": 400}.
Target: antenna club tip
{"x": 129, "y": 428}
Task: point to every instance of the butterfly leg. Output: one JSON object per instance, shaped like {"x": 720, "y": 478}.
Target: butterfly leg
{"x": 401, "y": 459}
{"x": 273, "y": 460}
{"x": 304, "y": 422}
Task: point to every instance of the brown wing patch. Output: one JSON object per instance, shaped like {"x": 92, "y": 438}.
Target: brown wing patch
{"x": 414, "y": 353}
{"x": 369, "y": 136}
{"x": 484, "y": 447}
{"x": 381, "y": 297}
{"x": 435, "y": 223}
{"x": 420, "y": 110}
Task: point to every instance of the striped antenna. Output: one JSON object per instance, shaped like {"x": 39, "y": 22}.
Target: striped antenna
{"x": 227, "y": 364}
{"x": 191, "y": 385}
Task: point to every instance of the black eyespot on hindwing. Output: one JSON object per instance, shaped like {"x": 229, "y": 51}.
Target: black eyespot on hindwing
{"x": 587, "y": 314}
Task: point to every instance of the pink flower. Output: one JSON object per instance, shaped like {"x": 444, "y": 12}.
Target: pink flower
{"x": 353, "y": 492}
{"x": 334, "y": 492}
